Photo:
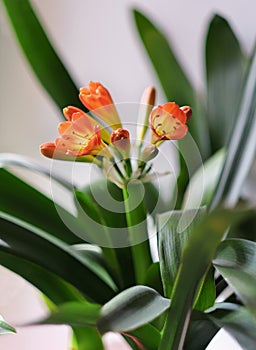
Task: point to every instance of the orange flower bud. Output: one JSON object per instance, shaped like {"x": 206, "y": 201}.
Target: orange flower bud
{"x": 97, "y": 99}
{"x": 120, "y": 138}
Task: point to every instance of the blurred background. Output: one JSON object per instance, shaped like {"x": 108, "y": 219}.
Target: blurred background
{"x": 97, "y": 41}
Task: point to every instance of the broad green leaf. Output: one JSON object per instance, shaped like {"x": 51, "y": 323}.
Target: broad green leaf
{"x": 86, "y": 338}
{"x": 74, "y": 314}
{"x": 50, "y": 253}
{"x": 236, "y": 261}
{"x": 197, "y": 257}
{"x": 5, "y": 328}
{"x": 238, "y": 321}
{"x": 225, "y": 68}
{"x": 41, "y": 55}
{"x": 174, "y": 230}
{"x": 174, "y": 81}
{"x": 24, "y": 202}
{"x": 147, "y": 335}
{"x": 131, "y": 309}
{"x": 241, "y": 146}
{"x": 206, "y": 176}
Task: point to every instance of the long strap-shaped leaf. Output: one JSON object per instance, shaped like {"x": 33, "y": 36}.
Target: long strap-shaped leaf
{"x": 197, "y": 257}
{"x": 225, "y": 67}
{"x": 241, "y": 147}
{"x": 41, "y": 55}
{"x": 37, "y": 246}
{"x": 174, "y": 81}
{"x": 24, "y": 202}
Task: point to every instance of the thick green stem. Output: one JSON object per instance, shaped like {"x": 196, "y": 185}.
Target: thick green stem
{"x": 137, "y": 227}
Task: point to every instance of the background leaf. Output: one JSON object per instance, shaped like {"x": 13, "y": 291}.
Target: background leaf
{"x": 236, "y": 261}
{"x": 73, "y": 314}
{"x": 174, "y": 81}
{"x": 36, "y": 246}
{"x": 5, "y": 328}
{"x": 195, "y": 263}
{"x": 225, "y": 68}
{"x": 131, "y": 309}
{"x": 174, "y": 230}
{"x": 41, "y": 55}
{"x": 24, "y": 202}
{"x": 241, "y": 146}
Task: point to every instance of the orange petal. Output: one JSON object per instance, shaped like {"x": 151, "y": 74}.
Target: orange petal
{"x": 174, "y": 109}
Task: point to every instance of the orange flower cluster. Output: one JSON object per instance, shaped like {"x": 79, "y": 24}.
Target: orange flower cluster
{"x": 84, "y": 137}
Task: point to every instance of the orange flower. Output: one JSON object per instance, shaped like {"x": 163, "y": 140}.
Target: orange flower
{"x": 79, "y": 137}
{"x": 97, "y": 99}
{"x": 168, "y": 122}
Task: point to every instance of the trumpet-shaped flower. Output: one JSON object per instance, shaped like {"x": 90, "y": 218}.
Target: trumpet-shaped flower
{"x": 79, "y": 136}
{"x": 168, "y": 122}
{"x": 96, "y": 98}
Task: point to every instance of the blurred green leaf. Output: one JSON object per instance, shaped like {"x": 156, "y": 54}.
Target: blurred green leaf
{"x": 153, "y": 277}
{"x": 175, "y": 83}
{"x": 131, "y": 309}
{"x": 12, "y": 159}
{"x": 174, "y": 229}
{"x": 24, "y": 202}
{"x": 201, "y": 330}
{"x": 197, "y": 257}
{"x": 241, "y": 146}
{"x": 41, "y": 248}
{"x": 205, "y": 178}
{"x": 86, "y": 338}
{"x": 236, "y": 261}
{"x": 55, "y": 288}
{"x": 225, "y": 68}
{"x": 147, "y": 335}
{"x": 236, "y": 320}
{"x": 5, "y": 328}
{"x": 74, "y": 314}
{"x": 41, "y": 55}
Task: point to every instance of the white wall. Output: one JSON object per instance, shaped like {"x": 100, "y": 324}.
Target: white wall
{"x": 97, "y": 41}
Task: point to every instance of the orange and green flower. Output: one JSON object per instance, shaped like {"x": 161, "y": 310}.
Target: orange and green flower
{"x": 168, "y": 122}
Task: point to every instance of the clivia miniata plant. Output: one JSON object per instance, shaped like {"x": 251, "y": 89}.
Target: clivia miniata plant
{"x": 96, "y": 267}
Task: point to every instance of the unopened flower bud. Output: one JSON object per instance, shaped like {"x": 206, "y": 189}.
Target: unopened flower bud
{"x": 120, "y": 138}
{"x": 148, "y": 153}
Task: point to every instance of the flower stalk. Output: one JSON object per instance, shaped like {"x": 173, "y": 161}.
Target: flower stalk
{"x": 137, "y": 228}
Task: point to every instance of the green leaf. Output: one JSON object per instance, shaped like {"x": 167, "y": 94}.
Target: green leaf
{"x": 41, "y": 55}
{"x": 175, "y": 83}
{"x": 201, "y": 325}
{"x": 74, "y": 314}
{"x": 147, "y": 335}
{"x": 55, "y": 288}
{"x": 12, "y": 159}
{"x": 101, "y": 209}
{"x": 241, "y": 146}
{"x": 24, "y": 202}
{"x": 153, "y": 277}
{"x": 5, "y": 328}
{"x": 197, "y": 257}
{"x": 225, "y": 68}
{"x": 174, "y": 230}
{"x": 205, "y": 178}
{"x": 236, "y": 261}
{"x": 86, "y": 338}
{"x": 238, "y": 321}
{"x": 41, "y": 248}
{"x": 131, "y": 309}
